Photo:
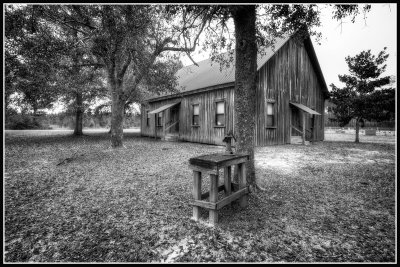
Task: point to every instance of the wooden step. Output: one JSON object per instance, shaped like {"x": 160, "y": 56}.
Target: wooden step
{"x": 297, "y": 140}
{"x": 171, "y": 137}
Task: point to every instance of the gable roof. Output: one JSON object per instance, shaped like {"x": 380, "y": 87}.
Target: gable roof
{"x": 208, "y": 74}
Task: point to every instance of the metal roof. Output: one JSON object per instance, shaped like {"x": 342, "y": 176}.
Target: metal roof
{"x": 304, "y": 108}
{"x": 208, "y": 73}
{"x": 164, "y": 107}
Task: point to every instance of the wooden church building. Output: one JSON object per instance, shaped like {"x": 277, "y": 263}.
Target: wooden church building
{"x": 291, "y": 93}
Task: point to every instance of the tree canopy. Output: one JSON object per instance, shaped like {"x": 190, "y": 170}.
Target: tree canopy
{"x": 362, "y": 97}
{"x": 78, "y": 45}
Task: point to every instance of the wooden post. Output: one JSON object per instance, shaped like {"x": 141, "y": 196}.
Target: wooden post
{"x": 196, "y": 193}
{"x": 313, "y": 128}
{"x": 155, "y": 125}
{"x": 290, "y": 124}
{"x": 242, "y": 183}
{"x": 303, "y": 142}
{"x": 164, "y": 119}
{"x": 213, "y": 214}
{"x": 227, "y": 180}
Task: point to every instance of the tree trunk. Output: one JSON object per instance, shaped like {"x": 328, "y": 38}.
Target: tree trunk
{"x": 245, "y": 83}
{"x": 35, "y": 109}
{"x": 79, "y": 114}
{"x": 79, "y": 96}
{"x": 117, "y": 115}
{"x": 357, "y": 130}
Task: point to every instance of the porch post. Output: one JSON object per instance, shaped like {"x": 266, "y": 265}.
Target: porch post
{"x": 290, "y": 124}
{"x": 164, "y": 119}
{"x": 304, "y": 128}
{"x": 313, "y": 128}
{"x": 155, "y": 125}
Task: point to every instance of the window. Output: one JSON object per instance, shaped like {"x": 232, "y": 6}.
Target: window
{"x": 147, "y": 118}
{"x": 220, "y": 113}
{"x": 195, "y": 118}
{"x": 270, "y": 113}
{"x": 159, "y": 119}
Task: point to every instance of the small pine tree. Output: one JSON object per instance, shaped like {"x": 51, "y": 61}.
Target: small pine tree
{"x": 362, "y": 97}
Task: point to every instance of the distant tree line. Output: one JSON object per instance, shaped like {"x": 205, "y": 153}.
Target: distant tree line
{"x": 41, "y": 120}
{"x": 383, "y": 125}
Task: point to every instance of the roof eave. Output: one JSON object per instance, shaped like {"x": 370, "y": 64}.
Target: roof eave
{"x": 313, "y": 56}
{"x": 196, "y": 91}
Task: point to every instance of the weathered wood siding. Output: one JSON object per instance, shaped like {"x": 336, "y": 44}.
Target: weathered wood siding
{"x": 149, "y": 130}
{"x": 288, "y": 76}
{"x": 206, "y": 132}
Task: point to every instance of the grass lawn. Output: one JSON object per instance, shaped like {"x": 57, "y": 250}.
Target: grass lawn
{"x": 329, "y": 202}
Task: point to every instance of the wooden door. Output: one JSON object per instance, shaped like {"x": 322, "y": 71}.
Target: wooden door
{"x": 295, "y": 120}
{"x": 174, "y": 118}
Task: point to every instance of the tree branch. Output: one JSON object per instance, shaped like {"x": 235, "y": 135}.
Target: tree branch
{"x": 121, "y": 73}
{"x": 192, "y": 48}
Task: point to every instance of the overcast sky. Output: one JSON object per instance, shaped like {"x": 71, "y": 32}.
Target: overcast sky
{"x": 377, "y": 31}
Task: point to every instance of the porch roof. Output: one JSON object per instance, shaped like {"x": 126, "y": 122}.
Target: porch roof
{"x": 162, "y": 108}
{"x": 304, "y": 108}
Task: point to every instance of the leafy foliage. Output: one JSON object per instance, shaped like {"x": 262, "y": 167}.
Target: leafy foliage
{"x": 87, "y": 47}
{"x": 342, "y": 11}
{"x": 362, "y": 98}
{"x": 23, "y": 122}
{"x": 127, "y": 41}
{"x": 45, "y": 54}
{"x": 29, "y": 59}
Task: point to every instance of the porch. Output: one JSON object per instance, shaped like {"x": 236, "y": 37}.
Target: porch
{"x": 166, "y": 117}
{"x": 301, "y": 131}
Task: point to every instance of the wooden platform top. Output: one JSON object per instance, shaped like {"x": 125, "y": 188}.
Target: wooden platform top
{"x": 217, "y": 160}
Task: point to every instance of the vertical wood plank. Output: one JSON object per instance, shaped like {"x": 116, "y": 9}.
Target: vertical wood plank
{"x": 228, "y": 180}
{"x": 196, "y": 193}
{"x": 242, "y": 183}
{"x": 213, "y": 214}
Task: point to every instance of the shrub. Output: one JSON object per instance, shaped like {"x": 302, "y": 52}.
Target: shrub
{"x": 24, "y": 122}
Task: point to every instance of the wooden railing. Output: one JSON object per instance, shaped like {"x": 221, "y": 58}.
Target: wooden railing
{"x": 170, "y": 124}
{"x": 300, "y": 131}
{"x": 308, "y": 131}
{"x": 296, "y": 129}
{"x": 167, "y": 126}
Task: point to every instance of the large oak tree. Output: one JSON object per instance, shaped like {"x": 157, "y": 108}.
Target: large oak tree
{"x": 47, "y": 62}
{"x": 128, "y": 42}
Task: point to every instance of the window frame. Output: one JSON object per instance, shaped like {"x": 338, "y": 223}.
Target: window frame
{"x": 147, "y": 118}
{"x": 273, "y": 102}
{"x": 215, "y": 113}
{"x": 192, "y": 115}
